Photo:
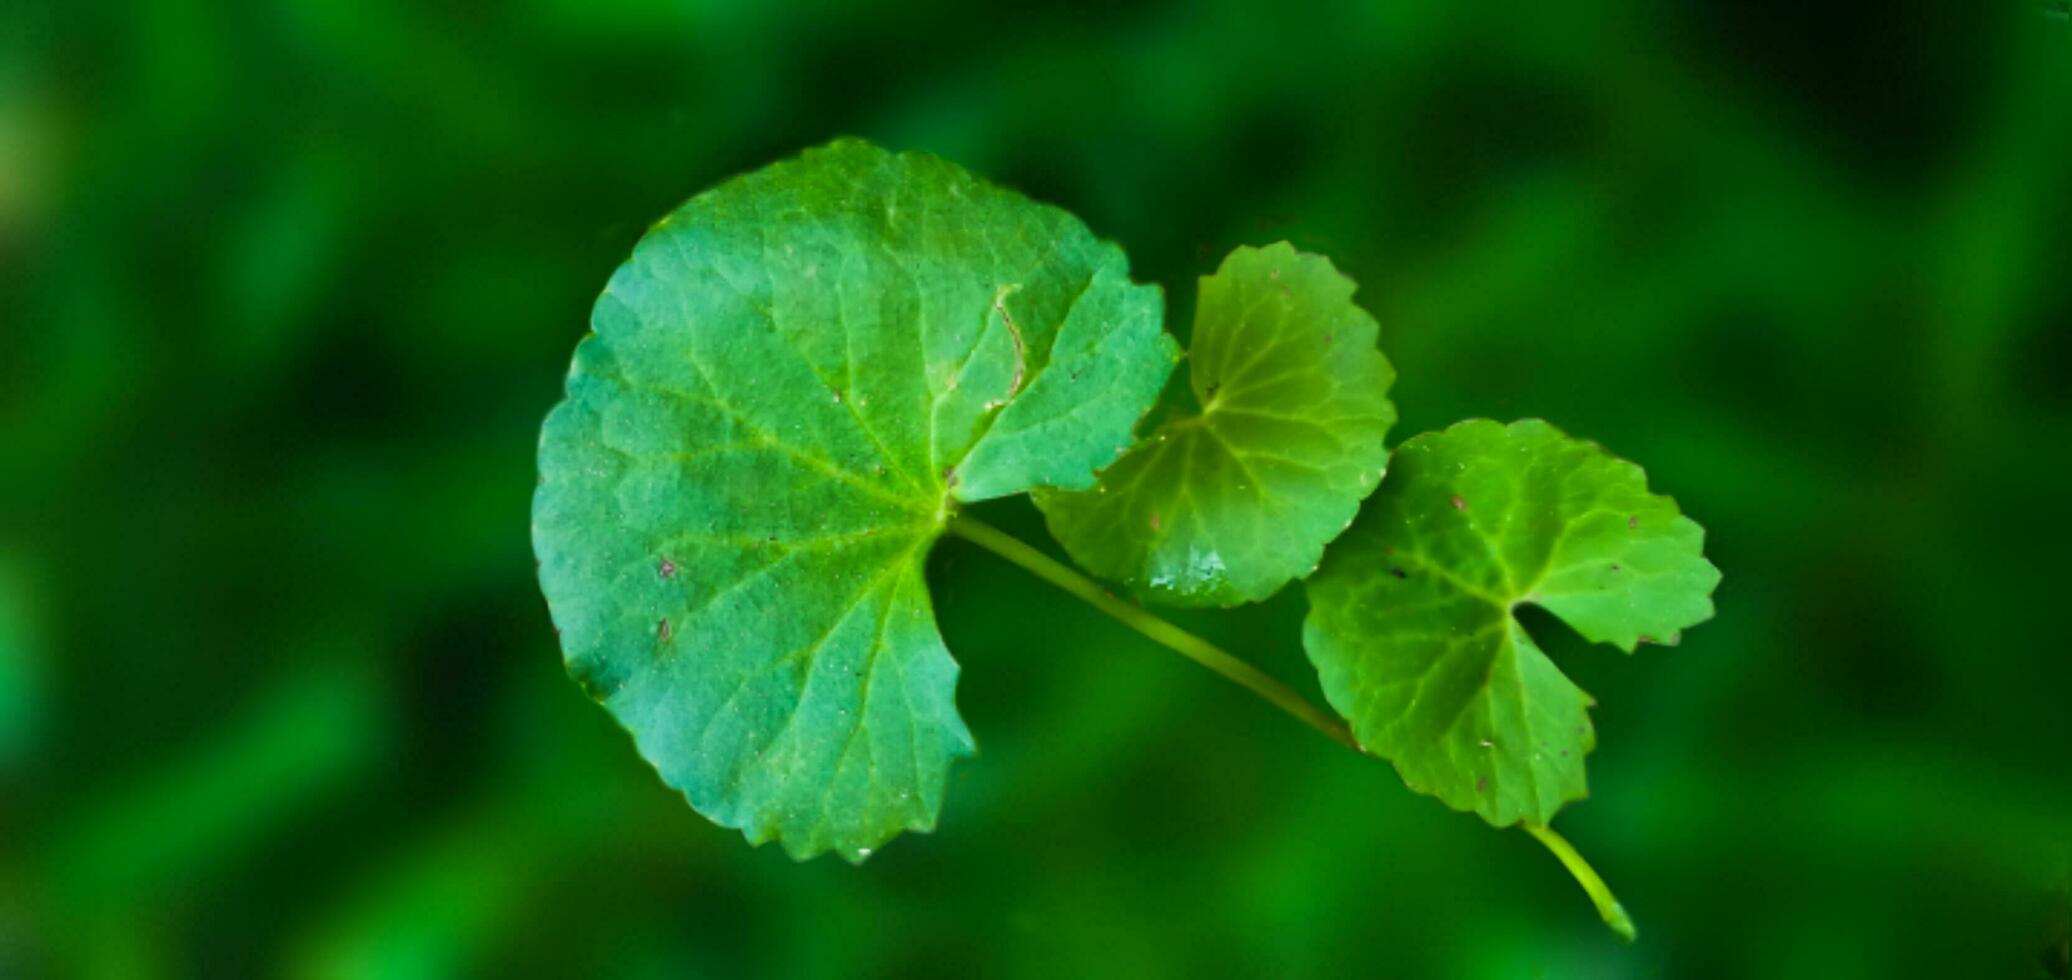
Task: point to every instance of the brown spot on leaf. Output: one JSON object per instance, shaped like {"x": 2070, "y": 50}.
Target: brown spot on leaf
{"x": 1459, "y": 504}
{"x": 1154, "y": 520}
{"x": 1633, "y": 523}
{"x": 662, "y": 631}
{"x": 667, "y": 569}
{"x": 1482, "y": 784}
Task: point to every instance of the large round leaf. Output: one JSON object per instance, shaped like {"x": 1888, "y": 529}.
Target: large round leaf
{"x": 789, "y": 386}
{"x": 1411, "y": 626}
{"x": 1228, "y": 503}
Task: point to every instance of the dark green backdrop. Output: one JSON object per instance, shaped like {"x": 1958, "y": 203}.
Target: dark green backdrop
{"x": 285, "y": 290}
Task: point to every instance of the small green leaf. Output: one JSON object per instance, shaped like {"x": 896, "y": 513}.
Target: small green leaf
{"x": 1227, "y": 504}
{"x": 1411, "y": 624}
{"x": 789, "y": 386}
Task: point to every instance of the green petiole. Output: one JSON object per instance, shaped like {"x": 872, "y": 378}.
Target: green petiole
{"x": 1280, "y": 695}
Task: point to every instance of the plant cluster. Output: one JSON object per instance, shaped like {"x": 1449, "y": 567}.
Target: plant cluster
{"x": 801, "y": 376}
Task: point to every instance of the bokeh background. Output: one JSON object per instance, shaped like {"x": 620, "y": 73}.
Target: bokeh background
{"x": 286, "y": 289}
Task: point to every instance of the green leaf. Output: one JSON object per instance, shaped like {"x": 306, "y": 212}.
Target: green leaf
{"x": 789, "y": 386}
{"x": 1411, "y": 624}
{"x": 1227, "y": 504}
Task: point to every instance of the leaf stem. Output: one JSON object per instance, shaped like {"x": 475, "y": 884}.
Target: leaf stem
{"x": 1252, "y": 679}
{"x": 1165, "y": 634}
{"x": 1607, "y": 904}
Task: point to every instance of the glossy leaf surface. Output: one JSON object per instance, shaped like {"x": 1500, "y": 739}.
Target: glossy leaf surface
{"x": 788, "y": 387}
{"x": 1411, "y": 623}
{"x": 1228, "y": 503}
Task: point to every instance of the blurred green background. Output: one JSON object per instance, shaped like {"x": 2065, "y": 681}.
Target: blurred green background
{"x": 286, "y": 289}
